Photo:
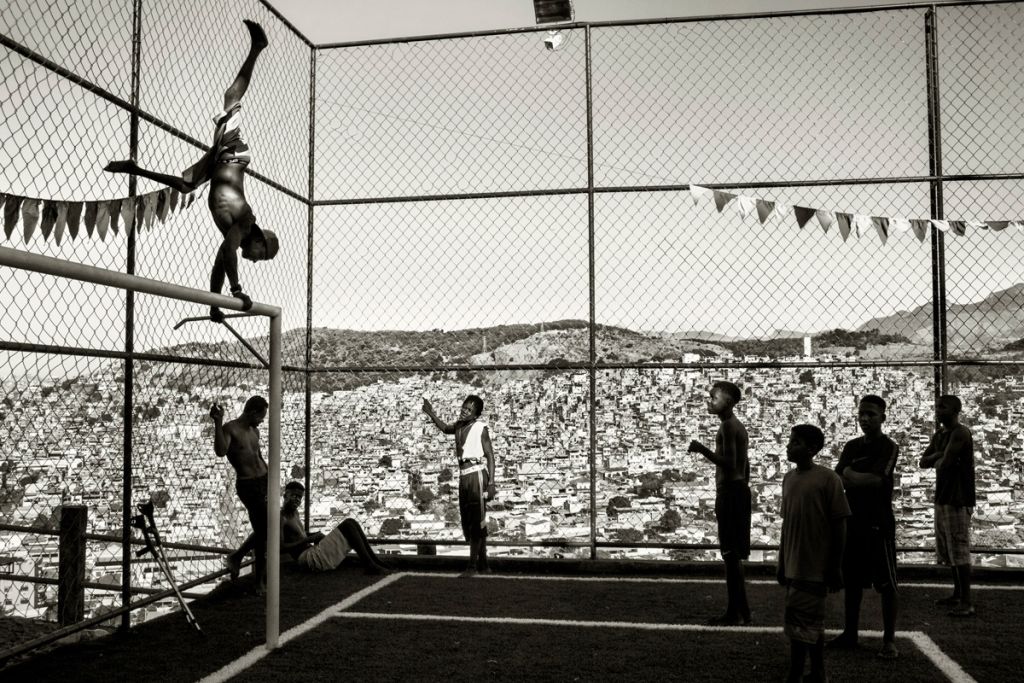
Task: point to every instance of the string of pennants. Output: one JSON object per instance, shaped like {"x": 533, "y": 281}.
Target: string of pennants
{"x": 59, "y": 219}
{"x": 847, "y": 223}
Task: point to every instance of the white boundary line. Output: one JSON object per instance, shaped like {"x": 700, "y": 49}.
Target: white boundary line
{"x": 260, "y": 651}
{"x": 940, "y": 659}
{"x": 631, "y": 579}
{"x": 926, "y": 645}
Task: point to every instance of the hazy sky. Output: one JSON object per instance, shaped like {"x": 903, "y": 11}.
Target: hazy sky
{"x": 331, "y": 21}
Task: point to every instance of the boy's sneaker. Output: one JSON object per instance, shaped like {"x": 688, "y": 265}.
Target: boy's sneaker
{"x": 889, "y": 651}
{"x": 844, "y": 641}
{"x": 962, "y": 611}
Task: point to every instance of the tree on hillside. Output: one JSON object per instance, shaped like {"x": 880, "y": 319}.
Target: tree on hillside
{"x": 445, "y": 475}
{"x": 385, "y": 461}
{"x": 671, "y": 520}
{"x": 391, "y": 527}
{"x": 617, "y": 502}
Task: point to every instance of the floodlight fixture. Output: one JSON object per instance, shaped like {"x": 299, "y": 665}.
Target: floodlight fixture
{"x": 548, "y": 11}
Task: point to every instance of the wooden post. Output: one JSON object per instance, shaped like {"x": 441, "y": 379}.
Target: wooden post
{"x": 71, "y": 564}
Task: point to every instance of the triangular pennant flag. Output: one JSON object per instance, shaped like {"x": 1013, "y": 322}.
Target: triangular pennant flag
{"x": 102, "y": 219}
{"x": 140, "y": 212}
{"x": 191, "y": 197}
{"x": 12, "y": 209}
{"x": 61, "y": 222}
{"x": 127, "y": 214}
{"x": 174, "y": 200}
{"x": 745, "y": 205}
{"x": 29, "y": 216}
{"x": 1019, "y": 225}
{"x": 862, "y": 224}
{"x": 940, "y": 225}
{"x": 825, "y": 219}
{"x": 91, "y": 209}
{"x": 897, "y": 225}
{"x": 803, "y": 214}
{"x": 920, "y": 227}
{"x": 977, "y": 225}
{"x": 161, "y": 205}
{"x": 881, "y": 227}
{"x": 49, "y": 218}
{"x": 150, "y": 209}
{"x": 698, "y": 193}
{"x": 996, "y": 226}
{"x": 721, "y": 199}
{"x": 843, "y": 220}
{"x": 958, "y": 228}
{"x": 74, "y": 217}
{"x": 764, "y": 209}
{"x": 114, "y": 211}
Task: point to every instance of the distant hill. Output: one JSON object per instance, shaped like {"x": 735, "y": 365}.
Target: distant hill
{"x": 991, "y": 323}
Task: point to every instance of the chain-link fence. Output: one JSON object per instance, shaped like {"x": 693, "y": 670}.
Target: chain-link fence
{"x": 483, "y": 215}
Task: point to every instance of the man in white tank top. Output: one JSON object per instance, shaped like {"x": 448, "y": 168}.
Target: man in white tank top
{"x": 476, "y": 475}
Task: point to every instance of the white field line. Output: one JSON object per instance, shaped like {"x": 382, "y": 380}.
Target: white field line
{"x": 940, "y": 659}
{"x": 637, "y": 579}
{"x": 256, "y": 654}
{"x": 926, "y": 645}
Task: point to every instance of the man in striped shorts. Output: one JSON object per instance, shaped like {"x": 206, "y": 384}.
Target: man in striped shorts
{"x": 476, "y": 475}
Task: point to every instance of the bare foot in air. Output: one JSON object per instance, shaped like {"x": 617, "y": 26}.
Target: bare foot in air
{"x": 126, "y": 166}
{"x": 259, "y": 38}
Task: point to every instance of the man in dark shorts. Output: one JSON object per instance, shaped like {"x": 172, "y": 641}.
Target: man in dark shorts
{"x": 814, "y": 512}
{"x": 476, "y": 475}
{"x": 951, "y": 453}
{"x": 866, "y": 466}
{"x": 732, "y": 498}
{"x": 223, "y": 166}
{"x": 239, "y": 440}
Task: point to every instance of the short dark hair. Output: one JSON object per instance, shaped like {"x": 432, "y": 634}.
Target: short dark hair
{"x": 478, "y": 403}
{"x": 810, "y": 435}
{"x": 730, "y": 390}
{"x": 874, "y": 400}
{"x": 255, "y": 403}
{"x": 953, "y": 402}
{"x": 294, "y": 485}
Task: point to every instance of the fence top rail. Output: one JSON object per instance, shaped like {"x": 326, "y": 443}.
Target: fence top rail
{"x": 865, "y": 9}
{"x": 48, "y": 265}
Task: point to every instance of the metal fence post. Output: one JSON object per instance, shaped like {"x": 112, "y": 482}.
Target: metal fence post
{"x": 71, "y": 564}
{"x": 936, "y": 203}
{"x": 129, "y": 333}
{"x": 592, "y": 370}
{"x": 309, "y": 284}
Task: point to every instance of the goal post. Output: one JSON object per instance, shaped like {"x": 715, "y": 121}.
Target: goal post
{"x": 23, "y": 260}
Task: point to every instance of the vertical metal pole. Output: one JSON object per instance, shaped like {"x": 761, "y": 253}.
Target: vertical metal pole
{"x": 129, "y": 331}
{"x": 309, "y": 283}
{"x": 274, "y": 488}
{"x": 71, "y": 564}
{"x": 593, "y": 308}
{"x": 936, "y": 201}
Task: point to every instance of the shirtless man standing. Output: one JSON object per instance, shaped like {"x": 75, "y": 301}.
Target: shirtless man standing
{"x": 239, "y": 440}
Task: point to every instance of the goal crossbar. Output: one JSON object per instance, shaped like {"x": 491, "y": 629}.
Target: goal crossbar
{"x": 23, "y": 260}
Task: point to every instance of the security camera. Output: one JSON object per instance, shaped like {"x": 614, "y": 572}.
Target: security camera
{"x": 553, "y": 40}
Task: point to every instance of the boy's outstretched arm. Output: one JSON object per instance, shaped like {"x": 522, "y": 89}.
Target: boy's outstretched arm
{"x": 443, "y": 426}
{"x": 727, "y": 457}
